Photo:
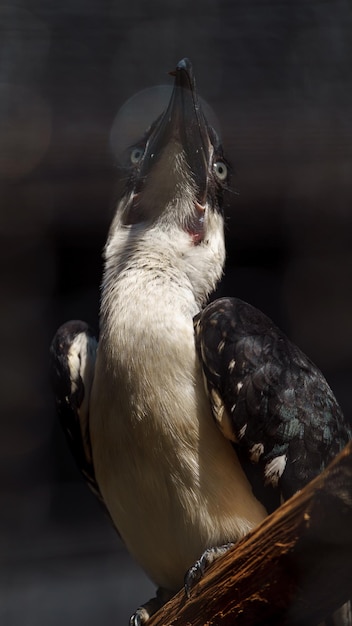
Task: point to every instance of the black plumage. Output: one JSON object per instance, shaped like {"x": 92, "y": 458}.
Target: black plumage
{"x": 71, "y": 369}
{"x": 285, "y": 421}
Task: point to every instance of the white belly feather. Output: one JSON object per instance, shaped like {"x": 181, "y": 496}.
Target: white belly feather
{"x": 171, "y": 481}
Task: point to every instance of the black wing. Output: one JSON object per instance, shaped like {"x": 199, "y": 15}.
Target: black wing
{"x": 268, "y": 398}
{"x": 72, "y": 362}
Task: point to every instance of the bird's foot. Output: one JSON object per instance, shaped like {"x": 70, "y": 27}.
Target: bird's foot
{"x": 140, "y": 617}
{"x": 196, "y": 572}
{"x": 144, "y": 612}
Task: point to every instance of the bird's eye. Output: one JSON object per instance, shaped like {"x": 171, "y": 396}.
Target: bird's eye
{"x": 220, "y": 170}
{"x": 136, "y": 155}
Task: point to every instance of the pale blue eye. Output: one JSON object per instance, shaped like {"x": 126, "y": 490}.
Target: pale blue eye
{"x": 220, "y": 170}
{"x": 136, "y": 155}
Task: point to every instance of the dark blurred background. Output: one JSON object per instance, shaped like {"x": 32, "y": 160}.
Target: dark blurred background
{"x": 278, "y": 75}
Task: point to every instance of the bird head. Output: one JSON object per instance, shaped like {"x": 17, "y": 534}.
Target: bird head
{"x": 173, "y": 181}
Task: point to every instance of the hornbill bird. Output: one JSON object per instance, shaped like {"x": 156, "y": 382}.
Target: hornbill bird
{"x": 190, "y": 421}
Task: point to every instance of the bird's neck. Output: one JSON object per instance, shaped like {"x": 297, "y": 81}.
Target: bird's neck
{"x": 146, "y": 299}
{"x": 147, "y": 337}
{"x": 161, "y": 264}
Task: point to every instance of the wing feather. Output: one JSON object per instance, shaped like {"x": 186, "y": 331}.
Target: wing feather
{"x": 72, "y": 362}
{"x": 284, "y": 418}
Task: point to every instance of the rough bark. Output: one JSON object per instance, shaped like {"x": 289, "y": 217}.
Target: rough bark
{"x": 295, "y": 568}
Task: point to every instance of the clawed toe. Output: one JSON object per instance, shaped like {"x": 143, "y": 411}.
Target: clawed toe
{"x": 139, "y": 618}
{"x": 196, "y": 572}
{"x": 144, "y": 612}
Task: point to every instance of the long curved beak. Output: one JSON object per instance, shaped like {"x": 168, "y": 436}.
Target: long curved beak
{"x": 183, "y": 122}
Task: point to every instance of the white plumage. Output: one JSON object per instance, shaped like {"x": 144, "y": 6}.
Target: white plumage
{"x": 170, "y": 480}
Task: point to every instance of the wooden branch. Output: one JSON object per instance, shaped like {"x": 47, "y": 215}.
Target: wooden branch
{"x": 295, "y": 568}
